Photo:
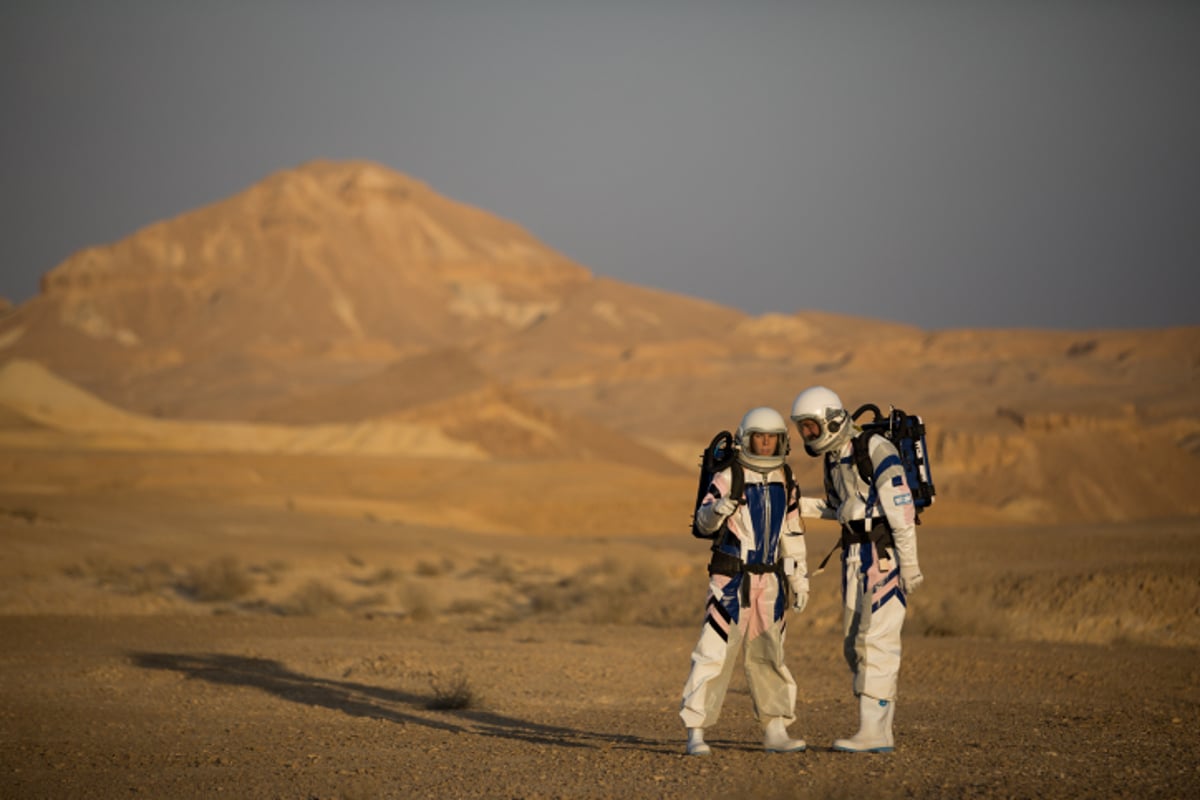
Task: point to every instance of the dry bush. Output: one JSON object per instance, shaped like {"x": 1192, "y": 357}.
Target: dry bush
{"x": 495, "y": 567}
{"x": 416, "y": 603}
{"x": 962, "y": 615}
{"x": 270, "y": 571}
{"x": 429, "y": 569}
{"x": 1078, "y": 349}
{"x": 313, "y": 599}
{"x": 451, "y": 692}
{"x": 380, "y": 577}
{"x": 467, "y": 605}
{"x": 556, "y": 598}
{"x": 616, "y": 593}
{"x": 220, "y": 580}
{"x": 29, "y": 515}
{"x": 148, "y": 578}
{"x": 373, "y": 600}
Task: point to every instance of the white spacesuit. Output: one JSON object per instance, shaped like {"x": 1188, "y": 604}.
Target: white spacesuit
{"x": 759, "y": 559}
{"x": 879, "y": 557}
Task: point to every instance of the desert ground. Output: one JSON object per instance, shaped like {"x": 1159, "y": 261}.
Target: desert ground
{"x": 300, "y": 640}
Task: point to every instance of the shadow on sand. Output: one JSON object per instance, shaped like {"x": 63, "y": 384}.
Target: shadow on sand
{"x": 376, "y": 702}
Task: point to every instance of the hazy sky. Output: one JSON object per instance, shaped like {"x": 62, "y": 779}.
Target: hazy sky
{"x": 946, "y": 164}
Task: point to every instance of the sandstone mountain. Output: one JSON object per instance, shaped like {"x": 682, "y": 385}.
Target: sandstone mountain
{"x": 347, "y": 307}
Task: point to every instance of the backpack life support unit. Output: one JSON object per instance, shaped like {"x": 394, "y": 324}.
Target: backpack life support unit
{"x": 907, "y": 433}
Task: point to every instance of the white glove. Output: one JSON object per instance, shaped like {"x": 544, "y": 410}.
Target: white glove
{"x": 910, "y": 577}
{"x": 906, "y": 552}
{"x": 799, "y": 585}
{"x": 725, "y": 506}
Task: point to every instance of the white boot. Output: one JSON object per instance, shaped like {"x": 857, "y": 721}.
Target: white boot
{"x": 874, "y": 728}
{"x": 776, "y": 738}
{"x": 696, "y": 745}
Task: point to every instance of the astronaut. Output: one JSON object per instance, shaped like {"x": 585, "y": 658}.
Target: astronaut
{"x": 879, "y": 557}
{"x": 759, "y": 560}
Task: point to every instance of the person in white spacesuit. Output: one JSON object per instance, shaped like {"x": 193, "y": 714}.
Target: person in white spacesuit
{"x": 758, "y": 562}
{"x": 879, "y": 557}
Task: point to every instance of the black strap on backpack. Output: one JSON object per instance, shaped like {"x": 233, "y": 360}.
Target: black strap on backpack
{"x": 861, "y": 446}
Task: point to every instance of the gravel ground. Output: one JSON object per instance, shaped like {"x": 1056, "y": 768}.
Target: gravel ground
{"x": 251, "y": 706}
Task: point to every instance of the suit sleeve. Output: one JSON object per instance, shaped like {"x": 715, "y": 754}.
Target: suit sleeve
{"x": 791, "y": 543}
{"x": 895, "y": 497}
{"x": 707, "y": 518}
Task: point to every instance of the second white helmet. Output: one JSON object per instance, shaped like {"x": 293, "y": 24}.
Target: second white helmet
{"x": 824, "y": 407}
{"x": 762, "y": 420}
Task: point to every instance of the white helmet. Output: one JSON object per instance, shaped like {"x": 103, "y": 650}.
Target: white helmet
{"x": 825, "y": 408}
{"x": 762, "y": 420}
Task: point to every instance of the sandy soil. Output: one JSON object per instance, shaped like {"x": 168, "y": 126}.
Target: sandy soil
{"x": 263, "y": 707}
{"x": 188, "y": 644}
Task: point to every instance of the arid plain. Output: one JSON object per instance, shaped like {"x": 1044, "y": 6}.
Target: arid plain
{"x": 341, "y": 489}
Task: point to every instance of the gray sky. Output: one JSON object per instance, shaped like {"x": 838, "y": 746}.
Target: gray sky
{"x": 946, "y": 164}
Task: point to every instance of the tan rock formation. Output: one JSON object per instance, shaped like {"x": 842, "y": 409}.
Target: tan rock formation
{"x": 345, "y": 307}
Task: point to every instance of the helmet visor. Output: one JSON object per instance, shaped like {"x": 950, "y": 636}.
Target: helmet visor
{"x": 810, "y": 427}
{"x": 766, "y": 443}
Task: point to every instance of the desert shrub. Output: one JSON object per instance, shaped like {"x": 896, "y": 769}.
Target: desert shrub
{"x": 270, "y": 571}
{"x": 643, "y": 578}
{"x": 1078, "y": 349}
{"x": 496, "y": 567}
{"x": 148, "y": 578}
{"x": 414, "y": 602}
{"x": 373, "y": 600}
{"x": 558, "y": 597}
{"x": 21, "y": 512}
{"x": 220, "y": 580}
{"x": 670, "y": 612}
{"x": 613, "y": 592}
{"x": 312, "y": 600}
{"x": 380, "y": 577}
{"x": 467, "y": 605}
{"x": 429, "y": 569}
{"x": 99, "y": 570}
{"x": 953, "y": 617}
{"x": 451, "y": 692}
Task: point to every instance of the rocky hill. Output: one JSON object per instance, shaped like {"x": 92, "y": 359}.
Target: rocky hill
{"x": 344, "y": 302}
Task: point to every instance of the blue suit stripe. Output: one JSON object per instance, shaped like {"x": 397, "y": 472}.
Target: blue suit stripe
{"x": 893, "y": 593}
{"x": 890, "y": 461}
